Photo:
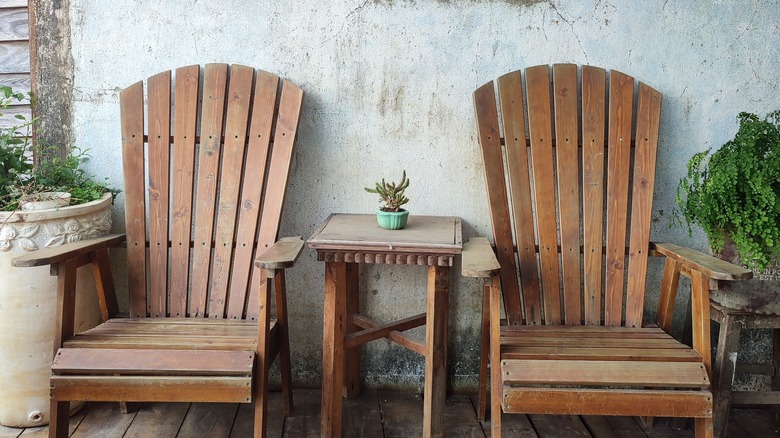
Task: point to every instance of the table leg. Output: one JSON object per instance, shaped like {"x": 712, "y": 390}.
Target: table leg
{"x": 333, "y": 348}
{"x": 435, "y": 389}
{"x": 352, "y": 355}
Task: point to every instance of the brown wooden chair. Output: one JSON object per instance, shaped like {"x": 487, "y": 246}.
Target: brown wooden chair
{"x": 203, "y": 206}
{"x": 564, "y": 197}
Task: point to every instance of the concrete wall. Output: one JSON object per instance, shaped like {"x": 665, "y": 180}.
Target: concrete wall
{"x": 389, "y": 87}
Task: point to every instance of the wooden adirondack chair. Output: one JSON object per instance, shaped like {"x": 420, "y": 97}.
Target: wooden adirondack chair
{"x": 200, "y": 210}
{"x": 575, "y": 342}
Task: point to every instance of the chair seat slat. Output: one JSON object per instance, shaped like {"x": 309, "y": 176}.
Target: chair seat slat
{"x": 605, "y": 373}
{"x": 625, "y": 402}
{"x": 153, "y": 362}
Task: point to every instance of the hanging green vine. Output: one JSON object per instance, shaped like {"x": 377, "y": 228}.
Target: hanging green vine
{"x": 734, "y": 193}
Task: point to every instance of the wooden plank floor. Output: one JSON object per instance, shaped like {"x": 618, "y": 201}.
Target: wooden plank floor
{"x": 372, "y": 414}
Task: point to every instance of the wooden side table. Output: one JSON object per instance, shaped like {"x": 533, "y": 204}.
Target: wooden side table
{"x": 343, "y": 242}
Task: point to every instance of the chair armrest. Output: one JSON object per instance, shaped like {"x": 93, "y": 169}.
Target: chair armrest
{"x": 282, "y": 254}
{"x": 712, "y": 267}
{"x": 50, "y": 256}
{"x": 479, "y": 260}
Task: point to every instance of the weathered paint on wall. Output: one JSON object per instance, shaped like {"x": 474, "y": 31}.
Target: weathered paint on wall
{"x": 388, "y": 87}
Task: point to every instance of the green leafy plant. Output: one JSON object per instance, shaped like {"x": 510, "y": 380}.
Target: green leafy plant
{"x": 734, "y": 193}
{"x": 24, "y": 175}
{"x": 391, "y": 194}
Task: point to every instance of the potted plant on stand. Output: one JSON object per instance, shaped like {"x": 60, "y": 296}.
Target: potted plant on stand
{"x": 28, "y": 295}
{"x": 391, "y": 216}
{"x": 733, "y": 194}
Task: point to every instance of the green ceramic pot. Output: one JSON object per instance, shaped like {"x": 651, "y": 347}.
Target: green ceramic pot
{"x": 392, "y": 220}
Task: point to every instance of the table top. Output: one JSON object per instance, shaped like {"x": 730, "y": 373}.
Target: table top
{"x": 360, "y": 232}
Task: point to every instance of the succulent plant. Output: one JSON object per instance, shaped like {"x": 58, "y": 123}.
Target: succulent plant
{"x": 391, "y": 194}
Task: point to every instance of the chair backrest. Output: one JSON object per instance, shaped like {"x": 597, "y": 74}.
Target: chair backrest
{"x": 573, "y": 142}
{"x": 204, "y": 187}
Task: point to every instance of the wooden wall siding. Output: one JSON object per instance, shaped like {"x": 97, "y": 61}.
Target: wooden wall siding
{"x": 14, "y": 54}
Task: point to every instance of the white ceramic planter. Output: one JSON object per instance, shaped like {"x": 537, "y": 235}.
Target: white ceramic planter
{"x": 27, "y": 303}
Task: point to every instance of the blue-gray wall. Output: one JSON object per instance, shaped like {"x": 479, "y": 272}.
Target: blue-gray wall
{"x": 388, "y": 87}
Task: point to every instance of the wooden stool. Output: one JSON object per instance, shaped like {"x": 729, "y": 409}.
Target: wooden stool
{"x": 732, "y": 322}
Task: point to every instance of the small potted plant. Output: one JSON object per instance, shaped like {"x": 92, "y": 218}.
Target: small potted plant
{"x": 31, "y": 174}
{"x": 733, "y": 194}
{"x": 391, "y": 216}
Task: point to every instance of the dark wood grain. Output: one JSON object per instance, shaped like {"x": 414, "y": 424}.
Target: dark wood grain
{"x": 158, "y": 188}
{"x": 510, "y": 89}
{"x": 540, "y": 131}
{"x": 565, "y": 100}
{"x": 185, "y": 122}
{"x": 209, "y": 154}
{"x": 490, "y": 142}
{"x": 621, "y": 101}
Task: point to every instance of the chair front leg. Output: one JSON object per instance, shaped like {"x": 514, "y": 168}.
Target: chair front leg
{"x": 495, "y": 356}
{"x": 261, "y": 369}
{"x": 484, "y": 354}
{"x": 283, "y": 341}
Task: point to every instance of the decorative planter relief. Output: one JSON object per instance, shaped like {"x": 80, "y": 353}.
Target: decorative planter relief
{"x": 28, "y": 298}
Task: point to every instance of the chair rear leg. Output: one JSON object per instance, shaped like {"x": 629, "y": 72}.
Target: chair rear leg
{"x": 59, "y": 419}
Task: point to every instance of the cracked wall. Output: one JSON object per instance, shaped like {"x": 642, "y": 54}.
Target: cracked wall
{"x": 388, "y": 87}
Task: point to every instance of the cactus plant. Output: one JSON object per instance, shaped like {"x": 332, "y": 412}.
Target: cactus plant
{"x": 391, "y": 194}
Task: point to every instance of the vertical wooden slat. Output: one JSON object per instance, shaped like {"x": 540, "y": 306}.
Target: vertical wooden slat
{"x": 540, "y": 127}
{"x": 212, "y": 116}
{"x": 593, "y": 114}
{"x": 159, "y": 107}
{"x": 647, "y": 122}
{"x": 278, "y": 174}
{"x": 185, "y": 125}
{"x": 566, "y": 141}
{"x": 237, "y": 115}
{"x": 132, "y": 114}
{"x": 266, "y": 86}
{"x": 621, "y": 100}
{"x": 490, "y": 142}
{"x": 510, "y": 91}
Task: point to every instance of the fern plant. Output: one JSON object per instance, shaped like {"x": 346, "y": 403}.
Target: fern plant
{"x": 391, "y": 194}
{"x": 734, "y": 192}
